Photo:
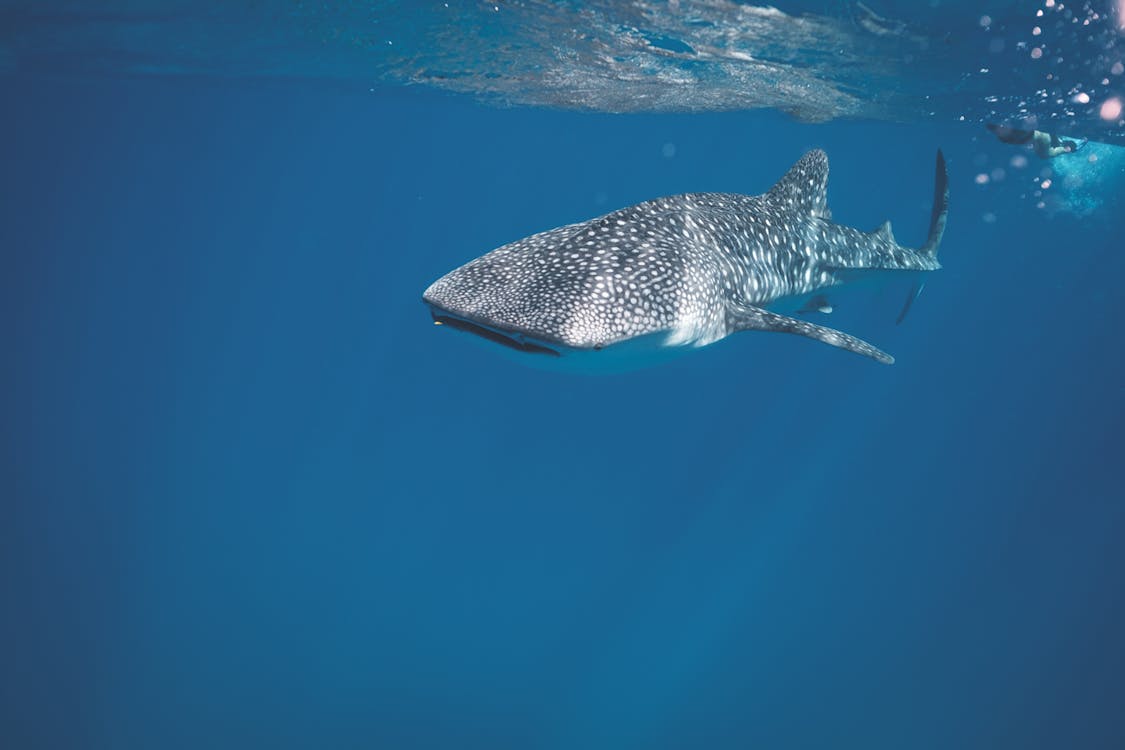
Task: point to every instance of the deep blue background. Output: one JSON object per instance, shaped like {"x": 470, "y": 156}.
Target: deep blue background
{"x": 252, "y": 498}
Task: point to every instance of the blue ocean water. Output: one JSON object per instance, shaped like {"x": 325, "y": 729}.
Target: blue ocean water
{"x": 253, "y": 498}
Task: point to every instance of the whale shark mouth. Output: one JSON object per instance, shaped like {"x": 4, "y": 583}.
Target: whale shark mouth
{"x": 510, "y": 339}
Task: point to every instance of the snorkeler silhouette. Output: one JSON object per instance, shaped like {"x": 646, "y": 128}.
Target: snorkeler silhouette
{"x": 1045, "y": 145}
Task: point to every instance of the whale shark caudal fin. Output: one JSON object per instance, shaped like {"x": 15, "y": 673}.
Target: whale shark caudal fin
{"x": 743, "y": 317}
{"x": 804, "y": 187}
{"x": 941, "y": 208}
{"x": 937, "y": 228}
{"x": 910, "y": 297}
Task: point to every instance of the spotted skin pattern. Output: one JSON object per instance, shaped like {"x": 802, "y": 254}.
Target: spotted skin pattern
{"x": 697, "y": 266}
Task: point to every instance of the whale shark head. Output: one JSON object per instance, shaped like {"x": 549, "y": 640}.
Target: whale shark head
{"x": 582, "y": 287}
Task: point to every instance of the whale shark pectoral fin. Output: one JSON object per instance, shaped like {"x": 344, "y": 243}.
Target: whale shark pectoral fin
{"x": 743, "y": 317}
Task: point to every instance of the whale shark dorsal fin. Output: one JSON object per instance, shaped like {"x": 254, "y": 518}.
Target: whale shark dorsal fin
{"x": 885, "y": 232}
{"x": 804, "y": 187}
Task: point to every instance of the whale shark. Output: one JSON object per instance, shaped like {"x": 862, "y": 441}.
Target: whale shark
{"x": 682, "y": 272}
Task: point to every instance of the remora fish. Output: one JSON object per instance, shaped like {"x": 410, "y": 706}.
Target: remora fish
{"x": 680, "y": 272}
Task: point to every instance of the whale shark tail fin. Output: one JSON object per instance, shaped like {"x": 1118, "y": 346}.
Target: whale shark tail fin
{"x": 941, "y": 208}
{"x": 915, "y": 290}
{"x": 937, "y": 228}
